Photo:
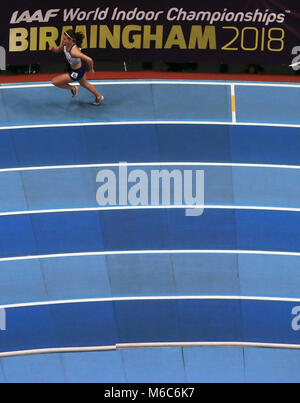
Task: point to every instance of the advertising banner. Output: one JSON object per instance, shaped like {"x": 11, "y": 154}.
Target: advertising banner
{"x": 209, "y": 31}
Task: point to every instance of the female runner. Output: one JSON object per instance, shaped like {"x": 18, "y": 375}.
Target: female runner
{"x": 71, "y": 46}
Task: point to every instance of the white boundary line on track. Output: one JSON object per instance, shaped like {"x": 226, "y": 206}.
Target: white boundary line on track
{"x": 147, "y": 122}
{"x": 151, "y": 252}
{"x": 149, "y": 298}
{"x": 149, "y": 164}
{"x": 4, "y": 86}
{"x": 150, "y": 207}
{"x": 123, "y": 346}
{"x": 206, "y": 344}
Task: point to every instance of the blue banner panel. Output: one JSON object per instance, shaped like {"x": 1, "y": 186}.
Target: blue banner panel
{"x": 158, "y": 143}
{"x": 144, "y": 321}
{"x": 127, "y": 230}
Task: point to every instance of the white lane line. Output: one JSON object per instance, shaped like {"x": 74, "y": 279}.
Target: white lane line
{"x": 159, "y": 82}
{"x": 21, "y": 353}
{"x": 150, "y": 207}
{"x": 151, "y": 252}
{"x": 148, "y": 164}
{"x": 123, "y": 346}
{"x": 149, "y": 298}
{"x": 147, "y": 122}
{"x": 207, "y": 344}
{"x": 112, "y": 123}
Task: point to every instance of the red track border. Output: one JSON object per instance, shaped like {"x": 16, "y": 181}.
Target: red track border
{"x": 110, "y": 75}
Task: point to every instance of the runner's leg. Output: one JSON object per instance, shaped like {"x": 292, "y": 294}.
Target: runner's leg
{"x": 63, "y": 81}
{"x": 83, "y": 82}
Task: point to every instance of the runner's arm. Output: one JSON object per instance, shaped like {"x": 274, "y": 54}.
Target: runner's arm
{"x": 58, "y": 49}
{"x": 76, "y": 52}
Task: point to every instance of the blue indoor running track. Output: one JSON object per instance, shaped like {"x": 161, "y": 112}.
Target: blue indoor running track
{"x": 98, "y": 294}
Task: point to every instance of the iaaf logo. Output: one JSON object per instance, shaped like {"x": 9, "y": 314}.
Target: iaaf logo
{"x": 2, "y": 58}
{"x": 37, "y": 16}
{"x": 139, "y": 187}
